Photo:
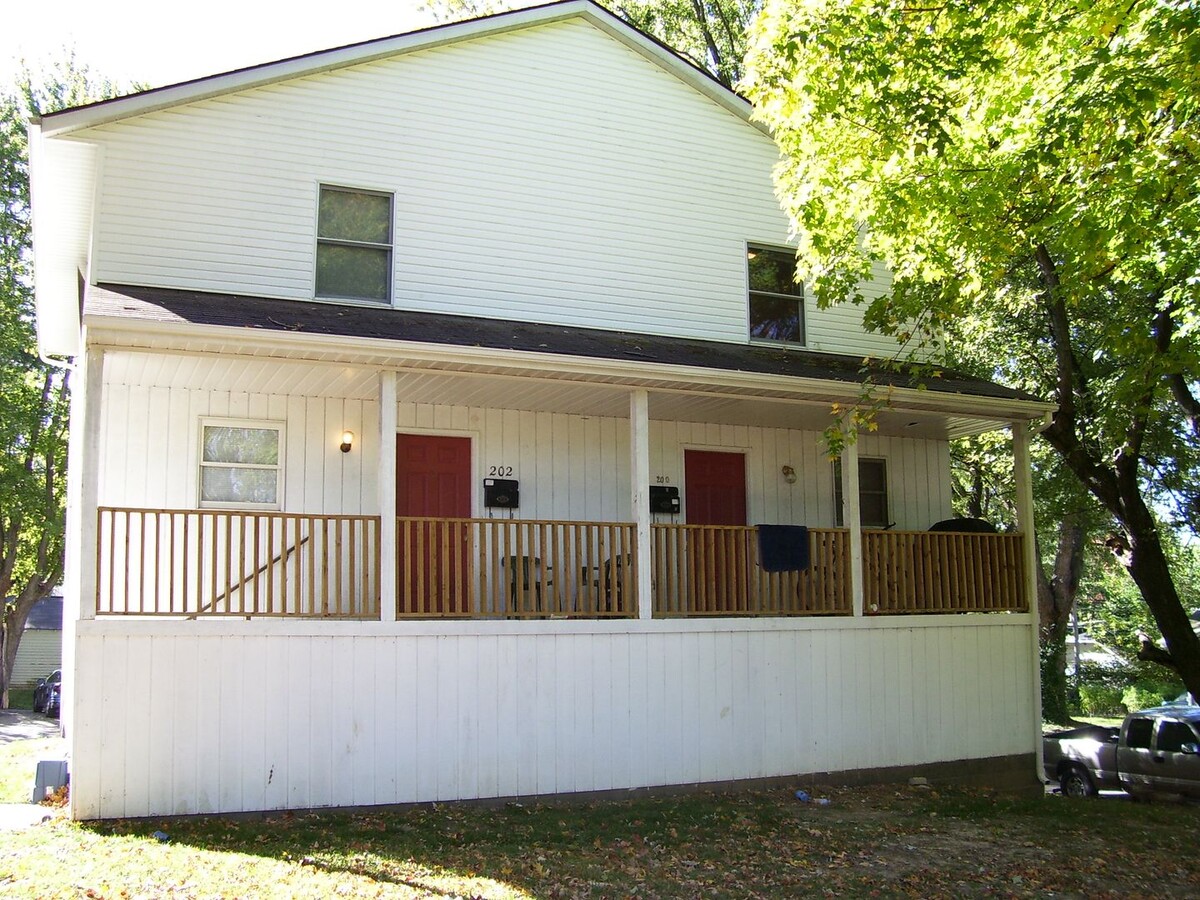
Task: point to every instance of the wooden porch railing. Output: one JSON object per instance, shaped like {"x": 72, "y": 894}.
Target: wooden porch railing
{"x": 713, "y": 570}
{"x": 942, "y": 572}
{"x": 199, "y": 563}
{"x": 514, "y": 568}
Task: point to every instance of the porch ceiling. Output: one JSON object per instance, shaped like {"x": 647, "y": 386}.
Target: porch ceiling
{"x": 239, "y": 369}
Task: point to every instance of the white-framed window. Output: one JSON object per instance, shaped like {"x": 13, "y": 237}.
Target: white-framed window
{"x": 776, "y": 299}
{"x": 873, "y": 507}
{"x": 354, "y": 244}
{"x": 241, "y": 464}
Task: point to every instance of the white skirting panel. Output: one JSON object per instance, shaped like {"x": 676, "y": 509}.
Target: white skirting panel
{"x": 178, "y": 718}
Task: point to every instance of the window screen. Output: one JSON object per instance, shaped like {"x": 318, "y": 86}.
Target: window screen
{"x": 354, "y": 244}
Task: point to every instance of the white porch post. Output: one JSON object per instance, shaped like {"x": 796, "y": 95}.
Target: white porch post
{"x": 852, "y": 517}
{"x": 85, "y": 460}
{"x": 386, "y": 479}
{"x": 639, "y": 493}
{"x": 83, "y": 534}
{"x": 1023, "y": 476}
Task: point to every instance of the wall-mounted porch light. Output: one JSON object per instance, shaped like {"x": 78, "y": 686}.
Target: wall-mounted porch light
{"x": 347, "y": 441}
{"x": 789, "y": 474}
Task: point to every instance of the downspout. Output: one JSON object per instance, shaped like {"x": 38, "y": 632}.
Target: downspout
{"x": 1023, "y": 476}
{"x": 68, "y": 363}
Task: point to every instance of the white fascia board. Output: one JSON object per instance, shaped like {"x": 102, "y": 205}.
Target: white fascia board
{"x": 369, "y": 51}
{"x": 110, "y": 330}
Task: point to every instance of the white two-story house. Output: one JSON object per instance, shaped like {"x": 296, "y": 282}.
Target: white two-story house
{"x": 447, "y": 424}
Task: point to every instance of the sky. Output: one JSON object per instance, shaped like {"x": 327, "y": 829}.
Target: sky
{"x": 156, "y": 43}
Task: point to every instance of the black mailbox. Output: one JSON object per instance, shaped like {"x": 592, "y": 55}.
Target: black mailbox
{"x": 501, "y": 493}
{"x": 664, "y": 499}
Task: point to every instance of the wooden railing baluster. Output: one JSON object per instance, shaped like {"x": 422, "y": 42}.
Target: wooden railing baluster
{"x": 182, "y": 554}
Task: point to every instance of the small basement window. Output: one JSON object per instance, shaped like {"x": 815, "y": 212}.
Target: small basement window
{"x": 872, "y": 492}
{"x": 240, "y": 464}
{"x": 776, "y": 299}
{"x": 354, "y": 244}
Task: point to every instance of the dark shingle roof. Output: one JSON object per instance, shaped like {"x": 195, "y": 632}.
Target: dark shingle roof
{"x": 46, "y": 615}
{"x": 385, "y": 323}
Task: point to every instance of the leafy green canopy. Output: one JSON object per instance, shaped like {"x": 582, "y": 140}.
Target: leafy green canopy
{"x": 997, "y": 158}
{"x": 1028, "y": 173}
{"x": 33, "y": 395}
{"x": 951, "y": 141}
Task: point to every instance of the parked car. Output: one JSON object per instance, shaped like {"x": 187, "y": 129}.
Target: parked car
{"x": 1154, "y": 751}
{"x": 47, "y": 696}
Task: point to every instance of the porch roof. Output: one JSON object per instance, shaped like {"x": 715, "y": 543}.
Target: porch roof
{"x": 717, "y": 381}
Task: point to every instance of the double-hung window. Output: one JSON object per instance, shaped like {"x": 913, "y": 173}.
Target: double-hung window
{"x": 241, "y": 464}
{"x": 872, "y": 492}
{"x": 354, "y": 244}
{"x": 776, "y": 299}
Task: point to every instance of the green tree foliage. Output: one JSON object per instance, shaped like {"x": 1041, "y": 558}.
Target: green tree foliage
{"x": 710, "y": 33}
{"x": 1028, "y": 173}
{"x": 33, "y": 414}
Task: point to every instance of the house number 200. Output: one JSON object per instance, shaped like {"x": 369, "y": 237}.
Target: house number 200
{"x": 501, "y": 471}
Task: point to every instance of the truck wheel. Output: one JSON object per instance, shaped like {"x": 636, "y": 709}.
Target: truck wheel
{"x": 1076, "y": 782}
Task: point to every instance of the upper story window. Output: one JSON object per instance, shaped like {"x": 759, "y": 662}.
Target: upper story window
{"x": 354, "y": 244}
{"x": 776, "y": 299}
{"x": 872, "y": 492}
{"x": 240, "y": 464}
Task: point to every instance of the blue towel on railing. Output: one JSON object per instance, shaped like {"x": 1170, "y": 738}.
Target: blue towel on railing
{"x": 783, "y": 548}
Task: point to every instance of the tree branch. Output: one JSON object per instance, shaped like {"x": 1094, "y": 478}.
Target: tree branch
{"x": 1148, "y": 651}
{"x": 710, "y": 42}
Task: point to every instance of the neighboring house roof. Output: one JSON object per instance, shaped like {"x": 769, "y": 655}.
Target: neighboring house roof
{"x": 164, "y": 305}
{"x": 46, "y": 615}
{"x": 649, "y": 47}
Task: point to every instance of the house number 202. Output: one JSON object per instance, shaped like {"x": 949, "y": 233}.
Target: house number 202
{"x": 500, "y": 471}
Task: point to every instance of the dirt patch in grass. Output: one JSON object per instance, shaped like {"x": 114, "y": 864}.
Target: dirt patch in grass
{"x": 878, "y": 841}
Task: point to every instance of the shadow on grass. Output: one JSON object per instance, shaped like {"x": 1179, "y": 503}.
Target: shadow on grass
{"x": 474, "y": 851}
{"x": 892, "y": 840}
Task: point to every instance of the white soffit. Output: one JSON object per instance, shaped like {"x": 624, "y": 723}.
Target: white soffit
{"x": 533, "y": 391}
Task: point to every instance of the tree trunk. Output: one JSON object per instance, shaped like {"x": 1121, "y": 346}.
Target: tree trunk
{"x": 1056, "y": 704}
{"x": 1056, "y": 599}
{"x": 16, "y": 614}
{"x": 1147, "y": 564}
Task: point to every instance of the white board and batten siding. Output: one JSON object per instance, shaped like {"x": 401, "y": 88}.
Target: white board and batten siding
{"x": 279, "y": 715}
{"x": 150, "y": 446}
{"x": 549, "y": 174}
{"x": 570, "y": 467}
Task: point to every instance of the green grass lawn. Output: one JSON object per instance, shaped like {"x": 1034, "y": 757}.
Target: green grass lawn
{"x": 20, "y": 698}
{"x": 878, "y": 841}
{"x": 18, "y": 765}
{"x": 1106, "y": 721}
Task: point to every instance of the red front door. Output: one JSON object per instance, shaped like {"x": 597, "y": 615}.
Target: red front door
{"x": 715, "y": 494}
{"x": 433, "y": 479}
{"x": 714, "y": 487}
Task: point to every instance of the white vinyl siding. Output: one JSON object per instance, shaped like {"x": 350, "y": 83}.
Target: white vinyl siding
{"x": 40, "y": 654}
{"x": 549, "y": 174}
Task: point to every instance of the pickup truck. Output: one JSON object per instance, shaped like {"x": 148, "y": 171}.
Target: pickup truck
{"x": 1155, "y": 751}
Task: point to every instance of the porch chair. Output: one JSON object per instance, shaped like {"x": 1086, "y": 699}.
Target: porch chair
{"x": 526, "y": 576}
{"x": 613, "y": 577}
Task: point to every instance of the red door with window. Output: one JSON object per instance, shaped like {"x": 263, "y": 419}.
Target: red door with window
{"x": 433, "y": 479}
{"x": 715, "y": 494}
